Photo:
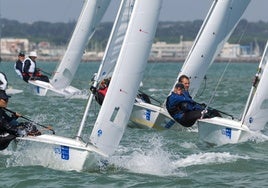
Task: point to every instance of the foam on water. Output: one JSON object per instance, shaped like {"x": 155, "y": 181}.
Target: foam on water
{"x": 153, "y": 160}
{"x": 208, "y": 158}
{"x": 12, "y": 91}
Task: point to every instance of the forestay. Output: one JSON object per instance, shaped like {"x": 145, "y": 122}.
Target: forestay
{"x": 256, "y": 110}
{"x": 91, "y": 15}
{"x": 117, "y": 106}
{"x": 220, "y": 22}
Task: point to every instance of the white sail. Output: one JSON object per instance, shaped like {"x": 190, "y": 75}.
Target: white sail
{"x": 91, "y": 15}
{"x": 215, "y": 31}
{"x": 116, "y": 39}
{"x": 111, "y": 52}
{"x": 256, "y": 114}
{"x": 220, "y": 21}
{"x": 117, "y": 106}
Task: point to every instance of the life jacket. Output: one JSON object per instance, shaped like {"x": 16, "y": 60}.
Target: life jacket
{"x": 180, "y": 107}
{"x": 3, "y": 81}
{"x": 28, "y": 66}
{"x": 5, "y": 139}
{"x": 172, "y": 110}
{"x": 103, "y": 91}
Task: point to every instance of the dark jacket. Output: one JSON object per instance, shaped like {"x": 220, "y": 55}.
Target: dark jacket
{"x": 177, "y": 105}
{"x": 5, "y": 120}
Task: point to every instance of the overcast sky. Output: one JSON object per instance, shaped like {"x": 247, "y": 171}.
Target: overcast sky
{"x": 67, "y": 10}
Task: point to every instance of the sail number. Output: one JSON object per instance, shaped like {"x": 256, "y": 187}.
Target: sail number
{"x": 227, "y": 132}
{"x": 63, "y": 151}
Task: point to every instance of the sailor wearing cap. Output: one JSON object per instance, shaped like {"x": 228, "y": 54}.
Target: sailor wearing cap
{"x": 29, "y": 66}
{"x": 8, "y": 124}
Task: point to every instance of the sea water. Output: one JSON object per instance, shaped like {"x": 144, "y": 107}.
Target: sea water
{"x": 144, "y": 158}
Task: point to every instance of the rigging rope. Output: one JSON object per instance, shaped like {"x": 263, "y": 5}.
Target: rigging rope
{"x": 224, "y": 71}
{"x": 204, "y": 88}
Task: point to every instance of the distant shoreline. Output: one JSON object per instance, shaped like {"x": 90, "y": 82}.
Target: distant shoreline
{"x": 13, "y": 58}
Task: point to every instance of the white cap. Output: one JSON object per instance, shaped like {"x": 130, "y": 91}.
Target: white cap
{"x": 33, "y": 54}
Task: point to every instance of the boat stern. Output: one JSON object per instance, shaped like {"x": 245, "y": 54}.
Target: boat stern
{"x": 38, "y": 87}
{"x": 220, "y": 131}
{"x": 145, "y": 115}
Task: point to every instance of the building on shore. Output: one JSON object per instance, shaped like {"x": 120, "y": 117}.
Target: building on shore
{"x": 161, "y": 51}
{"x": 179, "y": 51}
{"x": 11, "y": 46}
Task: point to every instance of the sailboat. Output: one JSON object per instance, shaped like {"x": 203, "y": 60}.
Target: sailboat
{"x": 217, "y": 27}
{"x": 219, "y": 131}
{"x": 117, "y": 106}
{"x": 90, "y": 17}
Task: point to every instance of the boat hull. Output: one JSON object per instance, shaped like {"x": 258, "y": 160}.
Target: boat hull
{"x": 220, "y": 131}
{"x": 145, "y": 115}
{"x": 58, "y": 152}
{"x": 41, "y": 88}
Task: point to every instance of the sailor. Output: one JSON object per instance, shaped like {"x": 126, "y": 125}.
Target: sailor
{"x": 30, "y": 70}
{"x": 7, "y": 132}
{"x": 29, "y": 66}
{"x": 101, "y": 91}
{"x": 186, "y": 83}
{"x": 184, "y": 109}
{"x": 10, "y": 128}
{"x": 18, "y": 64}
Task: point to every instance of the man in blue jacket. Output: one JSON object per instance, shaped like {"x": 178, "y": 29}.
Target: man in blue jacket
{"x": 182, "y": 108}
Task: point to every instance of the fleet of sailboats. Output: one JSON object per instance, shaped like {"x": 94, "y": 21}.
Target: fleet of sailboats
{"x": 114, "y": 114}
{"x": 125, "y": 61}
{"x": 217, "y": 27}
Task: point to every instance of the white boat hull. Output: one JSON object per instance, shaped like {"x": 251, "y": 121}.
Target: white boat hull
{"x": 145, "y": 115}
{"x": 220, "y": 131}
{"x": 41, "y": 88}
{"x": 60, "y": 152}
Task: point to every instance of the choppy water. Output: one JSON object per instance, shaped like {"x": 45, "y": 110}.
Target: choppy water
{"x": 145, "y": 158}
